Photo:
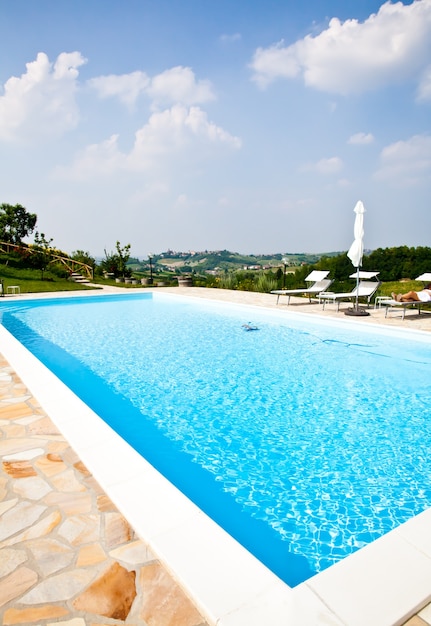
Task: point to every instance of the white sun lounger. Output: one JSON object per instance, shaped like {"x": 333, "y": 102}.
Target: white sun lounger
{"x": 320, "y": 284}
{"x": 426, "y": 278}
{"x": 414, "y": 304}
{"x": 394, "y": 304}
{"x": 364, "y": 290}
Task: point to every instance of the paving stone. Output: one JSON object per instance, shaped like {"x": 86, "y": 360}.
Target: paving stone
{"x": 10, "y": 560}
{"x": 51, "y": 555}
{"x": 19, "y": 469}
{"x": 6, "y": 504}
{"x": 90, "y": 555}
{"x": 59, "y": 587}
{"x": 425, "y": 613}
{"x": 164, "y": 602}
{"x": 70, "y": 457}
{"x": 69, "y": 503}
{"x": 39, "y": 529}
{"x": 15, "y": 584}
{"x": 104, "y": 503}
{"x": 3, "y": 490}
{"x": 111, "y": 595}
{"x": 51, "y": 464}
{"x": 133, "y": 553}
{"x": 94, "y": 485}
{"x": 15, "y": 411}
{"x": 79, "y": 465}
{"x": 21, "y": 516}
{"x": 27, "y": 420}
{"x": 34, "y": 614}
{"x": 11, "y": 446}
{"x": 76, "y": 621}
{"x": 33, "y": 488}
{"x": 67, "y": 482}
{"x": 43, "y": 426}
{"x": 57, "y": 447}
{"x": 14, "y": 430}
{"x": 117, "y": 530}
{"x": 20, "y": 389}
{"x": 16, "y": 396}
{"x": 26, "y": 455}
{"x": 415, "y": 621}
{"x": 80, "y": 529}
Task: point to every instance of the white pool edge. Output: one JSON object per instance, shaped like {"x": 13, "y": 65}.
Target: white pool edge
{"x": 382, "y": 584}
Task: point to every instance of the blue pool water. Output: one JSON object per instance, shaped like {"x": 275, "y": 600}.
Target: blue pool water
{"x": 304, "y": 439}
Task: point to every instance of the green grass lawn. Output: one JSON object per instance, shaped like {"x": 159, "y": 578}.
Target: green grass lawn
{"x": 29, "y": 281}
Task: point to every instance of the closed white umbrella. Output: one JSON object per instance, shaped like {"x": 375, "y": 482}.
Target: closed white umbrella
{"x": 356, "y": 250}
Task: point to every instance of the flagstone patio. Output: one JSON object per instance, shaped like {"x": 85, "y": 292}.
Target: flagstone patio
{"x": 67, "y": 556}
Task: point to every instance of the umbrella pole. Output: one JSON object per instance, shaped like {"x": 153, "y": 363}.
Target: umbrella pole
{"x": 355, "y": 310}
{"x": 357, "y": 288}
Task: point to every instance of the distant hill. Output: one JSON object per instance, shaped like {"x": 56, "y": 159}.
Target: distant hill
{"x": 213, "y": 260}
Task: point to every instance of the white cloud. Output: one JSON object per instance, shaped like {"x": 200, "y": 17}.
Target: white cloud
{"x": 326, "y": 167}
{"x": 176, "y": 85}
{"x": 127, "y": 87}
{"x": 42, "y": 100}
{"x": 361, "y": 138}
{"x": 174, "y": 130}
{"x": 406, "y": 162}
{"x": 329, "y": 166}
{"x": 101, "y": 159}
{"x": 275, "y": 62}
{"x": 352, "y": 56}
{"x": 167, "y": 134}
{"x": 179, "y": 85}
{"x": 424, "y": 89}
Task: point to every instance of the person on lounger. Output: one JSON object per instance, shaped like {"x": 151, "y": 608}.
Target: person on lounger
{"x": 414, "y": 296}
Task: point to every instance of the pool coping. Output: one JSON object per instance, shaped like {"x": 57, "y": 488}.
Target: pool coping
{"x": 381, "y": 584}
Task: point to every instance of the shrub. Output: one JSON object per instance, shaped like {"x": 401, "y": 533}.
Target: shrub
{"x": 265, "y": 283}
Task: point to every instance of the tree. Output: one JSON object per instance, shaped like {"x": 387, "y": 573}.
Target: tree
{"x": 15, "y": 223}
{"x": 116, "y": 263}
{"x": 123, "y": 256}
{"x": 43, "y": 254}
{"x": 83, "y": 257}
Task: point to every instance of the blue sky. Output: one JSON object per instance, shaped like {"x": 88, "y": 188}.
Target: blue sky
{"x": 252, "y": 126}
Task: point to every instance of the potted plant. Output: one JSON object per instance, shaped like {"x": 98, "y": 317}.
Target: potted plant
{"x": 185, "y": 280}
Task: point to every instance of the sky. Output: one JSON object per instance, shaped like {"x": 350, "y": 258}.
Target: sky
{"x": 253, "y": 126}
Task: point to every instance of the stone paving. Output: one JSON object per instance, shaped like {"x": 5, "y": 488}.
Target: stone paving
{"x": 67, "y": 556}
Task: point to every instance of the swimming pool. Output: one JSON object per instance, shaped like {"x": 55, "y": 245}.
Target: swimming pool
{"x": 337, "y": 455}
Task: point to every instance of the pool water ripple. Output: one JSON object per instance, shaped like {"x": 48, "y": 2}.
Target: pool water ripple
{"x": 321, "y": 438}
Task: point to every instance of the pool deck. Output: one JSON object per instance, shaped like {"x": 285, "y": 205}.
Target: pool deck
{"x": 91, "y": 534}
